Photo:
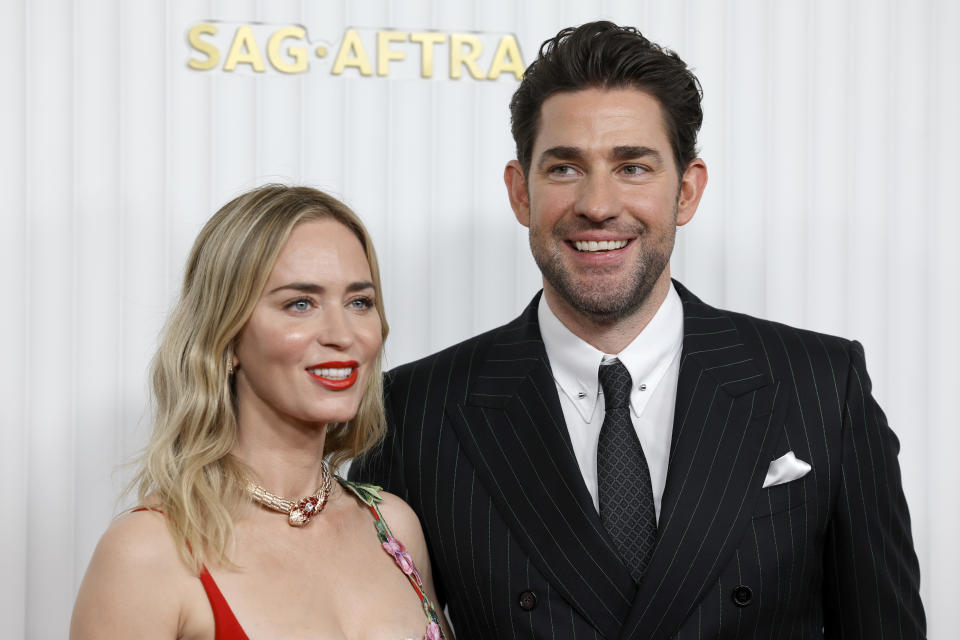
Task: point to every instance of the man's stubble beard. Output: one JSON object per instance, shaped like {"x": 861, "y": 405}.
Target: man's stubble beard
{"x": 603, "y": 306}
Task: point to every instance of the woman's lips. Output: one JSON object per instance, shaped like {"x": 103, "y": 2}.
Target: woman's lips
{"x": 335, "y": 375}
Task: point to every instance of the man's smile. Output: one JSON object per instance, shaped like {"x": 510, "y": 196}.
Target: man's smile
{"x": 599, "y": 245}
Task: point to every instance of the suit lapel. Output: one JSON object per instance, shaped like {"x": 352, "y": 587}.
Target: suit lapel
{"x": 719, "y": 454}
{"x": 512, "y": 428}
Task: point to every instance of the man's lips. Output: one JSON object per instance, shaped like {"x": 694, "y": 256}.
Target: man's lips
{"x": 594, "y": 246}
{"x": 336, "y": 375}
{"x": 590, "y": 252}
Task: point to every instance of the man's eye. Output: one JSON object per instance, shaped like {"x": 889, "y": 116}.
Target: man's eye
{"x": 634, "y": 169}
{"x": 562, "y": 170}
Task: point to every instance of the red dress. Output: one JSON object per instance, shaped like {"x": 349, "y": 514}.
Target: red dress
{"x": 225, "y": 623}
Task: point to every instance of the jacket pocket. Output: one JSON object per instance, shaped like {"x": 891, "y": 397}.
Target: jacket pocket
{"x": 783, "y": 497}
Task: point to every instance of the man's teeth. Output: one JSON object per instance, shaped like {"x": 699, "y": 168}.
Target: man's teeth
{"x": 602, "y": 245}
{"x": 332, "y": 374}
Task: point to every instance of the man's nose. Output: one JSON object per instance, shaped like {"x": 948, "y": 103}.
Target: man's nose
{"x": 597, "y": 199}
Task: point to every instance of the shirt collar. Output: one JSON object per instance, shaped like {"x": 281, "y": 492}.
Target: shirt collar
{"x": 575, "y": 362}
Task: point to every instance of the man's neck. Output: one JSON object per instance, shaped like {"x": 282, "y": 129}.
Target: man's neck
{"x": 612, "y": 337}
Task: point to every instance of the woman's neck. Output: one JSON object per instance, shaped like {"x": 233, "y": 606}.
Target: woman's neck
{"x": 286, "y": 457}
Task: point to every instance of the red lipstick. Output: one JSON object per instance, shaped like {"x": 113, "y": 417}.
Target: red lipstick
{"x": 336, "y": 384}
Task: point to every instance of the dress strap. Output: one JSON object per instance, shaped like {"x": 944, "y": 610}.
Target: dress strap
{"x": 369, "y": 494}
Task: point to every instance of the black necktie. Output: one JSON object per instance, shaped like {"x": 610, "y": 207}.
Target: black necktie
{"x": 623, "y": 478}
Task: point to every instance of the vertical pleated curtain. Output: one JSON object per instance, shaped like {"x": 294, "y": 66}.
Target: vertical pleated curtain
{"x": 830, "y": 136}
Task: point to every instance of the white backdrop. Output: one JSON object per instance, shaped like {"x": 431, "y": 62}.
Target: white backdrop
{"x": 831, "y": 135}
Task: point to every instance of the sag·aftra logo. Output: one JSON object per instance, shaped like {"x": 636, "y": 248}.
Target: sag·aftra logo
{"x": 269, "y": 48}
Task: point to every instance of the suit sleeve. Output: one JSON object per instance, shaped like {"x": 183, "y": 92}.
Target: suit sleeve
{"x": 382, "y": 465}
{"x": 871, "y": 574}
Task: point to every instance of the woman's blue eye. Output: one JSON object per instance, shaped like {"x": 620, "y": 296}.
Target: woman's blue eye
{"x": 361, "y": 303}
{"x": 301, "y": 304}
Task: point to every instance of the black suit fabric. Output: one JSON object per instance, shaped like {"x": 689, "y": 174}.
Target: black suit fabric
{"x": 478, "y": 446}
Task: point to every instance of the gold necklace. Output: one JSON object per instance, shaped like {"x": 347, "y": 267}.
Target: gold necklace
{"x": 300, "y": 512}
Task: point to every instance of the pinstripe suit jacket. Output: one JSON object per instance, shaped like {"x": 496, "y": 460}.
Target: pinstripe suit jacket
{"x": 478, "y": 447}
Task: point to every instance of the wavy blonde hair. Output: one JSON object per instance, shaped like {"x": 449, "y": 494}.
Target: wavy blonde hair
{"x": 186, "y": 468}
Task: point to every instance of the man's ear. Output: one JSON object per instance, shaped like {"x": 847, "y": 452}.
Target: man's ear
{"x": 517, "y": 191}
{"x": 692, "y": 184}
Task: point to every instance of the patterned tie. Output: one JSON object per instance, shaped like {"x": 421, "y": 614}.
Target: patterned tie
{"x": 623, "y": 478}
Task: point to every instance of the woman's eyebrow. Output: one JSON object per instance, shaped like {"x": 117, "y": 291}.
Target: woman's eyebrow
{"x": 310, "y": 287}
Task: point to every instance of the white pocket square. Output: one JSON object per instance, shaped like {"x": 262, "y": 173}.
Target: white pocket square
{"x": 784, "y": 469}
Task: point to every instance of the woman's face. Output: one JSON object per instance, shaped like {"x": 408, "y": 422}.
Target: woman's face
{"x": 306, "y": 353}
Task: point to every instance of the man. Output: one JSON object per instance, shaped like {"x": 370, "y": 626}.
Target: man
{"x": 623, "y": 460}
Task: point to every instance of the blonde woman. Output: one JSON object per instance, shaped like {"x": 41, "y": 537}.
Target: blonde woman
{"x": 268, "y": 371}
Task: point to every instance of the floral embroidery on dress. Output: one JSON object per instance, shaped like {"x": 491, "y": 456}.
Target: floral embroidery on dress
{"x": 369, "y": 494}
{"x": 395, "y": 548}
{"x": 433, "y": 632}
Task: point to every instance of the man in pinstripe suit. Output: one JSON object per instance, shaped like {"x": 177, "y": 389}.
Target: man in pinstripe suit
{"x": 774, "y": 476}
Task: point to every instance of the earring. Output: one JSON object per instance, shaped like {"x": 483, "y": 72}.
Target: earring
{"x": 230, "y": 367}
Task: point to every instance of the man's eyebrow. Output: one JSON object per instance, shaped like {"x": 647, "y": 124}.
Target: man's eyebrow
{"x": 629, "y": 152}
{"x": 559, "y": 153}
{"x": 310, "y": 287}
{"x": 619, "y": 153}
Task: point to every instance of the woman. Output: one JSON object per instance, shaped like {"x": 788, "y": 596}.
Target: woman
{"x": 268, "y": 367}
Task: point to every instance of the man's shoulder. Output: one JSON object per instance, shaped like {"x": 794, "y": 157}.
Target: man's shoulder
{"x": 769, "y": 340}
{"x": 771, "y": 329}
{"x": 752, "y": 327}
{"x": 784, "y": 346}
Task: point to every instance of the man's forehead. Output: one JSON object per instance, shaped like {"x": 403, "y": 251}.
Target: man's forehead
{"x": 601, "y": 117}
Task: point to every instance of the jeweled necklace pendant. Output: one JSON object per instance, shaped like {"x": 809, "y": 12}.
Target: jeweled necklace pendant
{"x": 298, "y": 513}
{"x": 305, "y": 509}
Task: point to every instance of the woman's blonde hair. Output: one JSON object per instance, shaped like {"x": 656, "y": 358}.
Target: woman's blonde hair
{"x": 186, "y": 468}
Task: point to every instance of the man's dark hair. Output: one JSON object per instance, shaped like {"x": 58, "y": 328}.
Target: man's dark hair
{"x": 606, "y": 56}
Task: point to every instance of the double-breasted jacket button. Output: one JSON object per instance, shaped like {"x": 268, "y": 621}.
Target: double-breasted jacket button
{"x": 742, "y": 595}
{"x": 528, "y": 600}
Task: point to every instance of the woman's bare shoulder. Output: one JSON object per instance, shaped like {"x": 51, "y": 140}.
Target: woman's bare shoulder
{"x": 133, "y": 583}
{"x": 139, "y": 537}
{"x": 404, "y": 523}
{"x": 394, "y": 509}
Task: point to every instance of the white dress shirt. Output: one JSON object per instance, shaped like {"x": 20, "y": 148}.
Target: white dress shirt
{"x": 653, "y": 360}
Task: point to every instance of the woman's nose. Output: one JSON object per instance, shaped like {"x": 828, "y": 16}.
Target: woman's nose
{"x": 335, "y": 330}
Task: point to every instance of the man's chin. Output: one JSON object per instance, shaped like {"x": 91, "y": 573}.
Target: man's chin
{"x": 604, "y": 301}
{"x": 604, "y": 295}
{"x": 608, "y": 315}
{"x": 602, "y": 305}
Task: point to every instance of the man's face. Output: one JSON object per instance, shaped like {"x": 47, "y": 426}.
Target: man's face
{"x": 602, "y": 199}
